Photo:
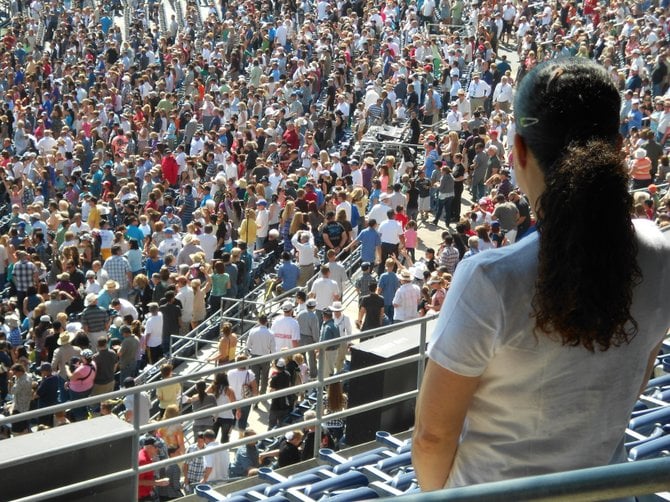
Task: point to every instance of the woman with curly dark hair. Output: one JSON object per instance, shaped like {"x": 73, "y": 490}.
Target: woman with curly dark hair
{"x": 542, "y": 347}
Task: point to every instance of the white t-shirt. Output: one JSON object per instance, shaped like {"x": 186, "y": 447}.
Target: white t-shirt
{"x": 285, "y": 329}
{"x": 218, "y": 461}
{"x": 390, "y": 232}
{"x": 208, "y": 244}
{"x": 325, "y": 292}
{"x": 186, "y": 297}
{"x": 153, "y": 330}
{"x": 237, "y": 378}
{"x": 541, "y": 407}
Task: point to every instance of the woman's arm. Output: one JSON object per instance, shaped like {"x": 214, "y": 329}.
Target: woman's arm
{"x": 439, "y": 422}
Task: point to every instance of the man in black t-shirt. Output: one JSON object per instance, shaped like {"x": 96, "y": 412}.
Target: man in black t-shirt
{"x": 332, "y": 232}
{"x": 289, "y": 453}
{"x": 371, "y": 310}
{"x": 279, "y": 406}
{"x": 458, "y": 173}
{"x": 422, "y": 183}
{"x": 523, "y": 223}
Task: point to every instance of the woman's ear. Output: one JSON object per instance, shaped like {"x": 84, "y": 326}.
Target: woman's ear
{"x": 520, "y": 152}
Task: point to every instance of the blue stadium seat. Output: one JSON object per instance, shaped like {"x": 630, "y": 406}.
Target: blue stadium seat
{"x": 389, "y": 440}
{"x": 395, "y": 462}
{"x": 350, "y": 479}
{"x": 656, "y": 433}
{"x": 646, "y": 421}
{"x": 340, "y": 464}
{"x": 650, "y": 449}
{"x": 362, "y": 493}
{"x": 299, "y": 480}
{"x": 208, "y": 493}
{"x": 404, "y": 481}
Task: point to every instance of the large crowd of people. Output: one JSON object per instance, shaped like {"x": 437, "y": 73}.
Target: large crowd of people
{"x": 155, "y": 156}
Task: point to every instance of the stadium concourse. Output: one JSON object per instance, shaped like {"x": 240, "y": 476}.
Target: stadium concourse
{"x": 173, "y": 172}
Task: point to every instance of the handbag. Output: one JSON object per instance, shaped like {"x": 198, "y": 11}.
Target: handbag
{"x": 246, "y": 388}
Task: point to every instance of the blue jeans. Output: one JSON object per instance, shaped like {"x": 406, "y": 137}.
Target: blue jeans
{"x": 478, "y": 191}
{"x": 243, "y": 423}
{"x": 389, "y": 311}
{"x": 80, "y": 413}
{"x": 128, "y": 371}
{"x": 63, "y": 394}
{"x": 444, "y": 205}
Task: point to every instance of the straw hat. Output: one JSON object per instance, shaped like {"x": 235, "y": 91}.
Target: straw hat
{"x": 65, "y": 338}
{"x": 111, "y": 285}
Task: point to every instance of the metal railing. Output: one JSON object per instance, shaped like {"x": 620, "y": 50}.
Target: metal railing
{"x": 320, "y": 384}
{"x": 600, "y": 483}
{"x": 616, "y": 481}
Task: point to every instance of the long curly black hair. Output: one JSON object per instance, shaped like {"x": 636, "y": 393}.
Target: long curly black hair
{"x": 568, "y": 115}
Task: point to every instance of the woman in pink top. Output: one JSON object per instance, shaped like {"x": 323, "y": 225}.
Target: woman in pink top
{"x": 81, "y": 376}
{"x": 410, "y": 238}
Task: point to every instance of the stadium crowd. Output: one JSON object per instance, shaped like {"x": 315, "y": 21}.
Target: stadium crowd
{"x": 157, "y": 169}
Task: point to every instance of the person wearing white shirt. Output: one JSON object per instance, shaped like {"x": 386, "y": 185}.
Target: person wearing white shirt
{"x": 47, "y": 143}
{"x": 508, "y": 15}
{"x": 503, "y": 94}
{"x": 187, "y": 297}
{"x": 216, "y": 463}
{"x": 123, "y": 307}
{"x": 391, "y": 235}
{"x": 406, "y": 299}
{"x": 344, "y": 325}
{"x": 464, "y": 104}
{"x": 342, "y": 106}
{"x": 324, "y": 290}
{"x": 91, "y": 285}
{"x": 275, "y": 179}
{"x": 337, "y": 165}
{"x": 478, "y": 91}
{"x": 262, "y": 222}
{"x": 379, "y": 211}
{"x": 78, "y": 226}
{"x": 153, "y": 330}
{"x": 208, "y": 242}
{"x": 285, "y": 329}
{"x": 230, "y": 168}
{"x": 180, "y": 158}
{"x": 522, "y": 28}
{"x": 454, "y": 118}
{"x": 344, "y": 204}
{"x": 356, "y": 174}
{"x": 197, "y": 144}
{"x": 303, "y": 242}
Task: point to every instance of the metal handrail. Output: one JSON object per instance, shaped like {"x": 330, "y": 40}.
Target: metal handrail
{"x": 210, "y": 371}
{"x": 320, "y": 384}
{"x": 609, "y": 482}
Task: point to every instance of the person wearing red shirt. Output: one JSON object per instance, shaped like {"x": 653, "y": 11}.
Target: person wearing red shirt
{"x": 291, "y": 136}
{"x": 170, "y": 168}
{"x": 146, "y": 479}
{"x": 310, "y": 194}
{"x": 401, "y": 216}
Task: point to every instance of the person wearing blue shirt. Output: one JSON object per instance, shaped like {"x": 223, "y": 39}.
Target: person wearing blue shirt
{"x": 133, "y": 231}
{"x": 370, "y": 242}
{"x": 430, "y": 159}
{"x": 106, "y": 23}
{"x": 388, "y": 284}
{"x": 287, "y": 273}
{"x": 634, "y": 116}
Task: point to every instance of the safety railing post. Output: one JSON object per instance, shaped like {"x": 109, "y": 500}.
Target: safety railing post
{"x": 421, "y": 364}
{"x": 319, "y": 401}
{"x": 135, "y": 447}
